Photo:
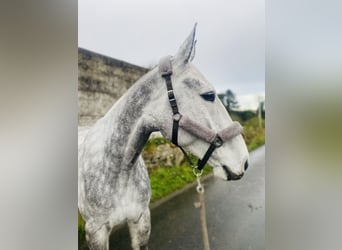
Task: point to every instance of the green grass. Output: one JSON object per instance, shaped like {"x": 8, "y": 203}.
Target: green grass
{"x": 167, "y": 180}
{"x": 81, "y": 230}
{"x": 252, "y": 133}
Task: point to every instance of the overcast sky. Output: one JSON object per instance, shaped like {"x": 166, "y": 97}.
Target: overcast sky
{"x": 230, "y": 36}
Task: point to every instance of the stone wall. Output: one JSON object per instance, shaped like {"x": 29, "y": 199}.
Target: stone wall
{"x": 101, "y": 81}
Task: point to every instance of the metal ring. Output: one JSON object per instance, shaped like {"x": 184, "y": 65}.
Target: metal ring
{"x": 217, "y": 141}
{"x": 197, "y": 174}
{"x": 200, "y": 189}
{"x": 177, "y": 117}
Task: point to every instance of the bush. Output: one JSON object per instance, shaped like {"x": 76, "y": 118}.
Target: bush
{"x": 252, "y": 133}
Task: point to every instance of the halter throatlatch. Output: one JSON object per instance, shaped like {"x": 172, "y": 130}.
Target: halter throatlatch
{"x": 215, "y": 139}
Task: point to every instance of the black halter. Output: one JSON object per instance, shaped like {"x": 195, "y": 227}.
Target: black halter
{"x": 165, "y": 69}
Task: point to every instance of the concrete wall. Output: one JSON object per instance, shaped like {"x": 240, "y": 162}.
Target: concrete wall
{"x": 101, "y": 81}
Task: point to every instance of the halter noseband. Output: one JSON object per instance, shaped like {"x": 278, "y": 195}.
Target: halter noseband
{"x": 216, "y": 139}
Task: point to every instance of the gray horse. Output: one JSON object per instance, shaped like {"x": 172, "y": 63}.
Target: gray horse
{"x": 113, "y": 183}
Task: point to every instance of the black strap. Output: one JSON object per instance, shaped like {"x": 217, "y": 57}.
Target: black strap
{"x": 217, "y": 142}
{"x": 186, "y": 156}
{"x": 175, "y": 130}
{"x": 173, "y": 103}
{"x": 170, "y": 94}
{"x": 203, "y": 161}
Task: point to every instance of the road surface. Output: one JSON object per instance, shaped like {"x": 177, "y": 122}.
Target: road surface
{"x": 235, "y": 215}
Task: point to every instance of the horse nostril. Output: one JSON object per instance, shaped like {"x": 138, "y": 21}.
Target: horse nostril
{"x": 236, "y": 177}
{"x": 246, "y": 165}
{"x": 230, "y": 175}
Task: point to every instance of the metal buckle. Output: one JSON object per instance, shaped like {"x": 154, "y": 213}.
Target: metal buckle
{"x": 177, "y": 117}
{"x": 171, "y": 95}
{"x": 217, "y": 142}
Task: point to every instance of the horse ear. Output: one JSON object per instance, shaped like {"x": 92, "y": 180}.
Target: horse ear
{"x": 186, "y": 52}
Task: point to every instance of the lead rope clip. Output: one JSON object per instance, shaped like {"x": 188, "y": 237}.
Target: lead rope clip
{"x": 200, "y": 190}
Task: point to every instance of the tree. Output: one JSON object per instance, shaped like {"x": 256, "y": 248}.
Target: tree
{"x": 229, "y": 100}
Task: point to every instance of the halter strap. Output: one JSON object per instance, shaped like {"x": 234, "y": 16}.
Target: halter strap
{"x": 216, "y": 139}
{"x": 165, "y": 70}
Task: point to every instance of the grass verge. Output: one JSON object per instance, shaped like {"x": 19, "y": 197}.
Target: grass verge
{"x": 167, "y": 180}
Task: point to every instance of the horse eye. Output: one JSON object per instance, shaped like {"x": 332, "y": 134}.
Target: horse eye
{"x": 209, "y": 96}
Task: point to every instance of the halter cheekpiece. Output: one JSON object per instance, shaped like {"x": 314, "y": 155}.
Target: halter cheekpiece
{"x": 215, "y": 139}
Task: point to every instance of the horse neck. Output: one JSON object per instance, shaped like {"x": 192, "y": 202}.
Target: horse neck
{"x": 130, "y": 122}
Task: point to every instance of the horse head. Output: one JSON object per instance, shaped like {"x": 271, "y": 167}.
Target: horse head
{"x": 197, "y": 101}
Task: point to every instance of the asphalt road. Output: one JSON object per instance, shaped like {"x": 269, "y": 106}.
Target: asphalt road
{"x": 235, "y": 215}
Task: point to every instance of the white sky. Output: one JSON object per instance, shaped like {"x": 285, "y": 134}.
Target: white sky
{"x": 249, "y": 102}
{"x": 230, "y": 36}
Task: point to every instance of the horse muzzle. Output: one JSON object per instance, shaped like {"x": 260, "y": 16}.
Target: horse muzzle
{"x": 234, "y": 176}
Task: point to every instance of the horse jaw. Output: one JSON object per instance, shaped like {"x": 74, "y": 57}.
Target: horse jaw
{"x": 227, "y": 160}
{"x": 220, "y": 173}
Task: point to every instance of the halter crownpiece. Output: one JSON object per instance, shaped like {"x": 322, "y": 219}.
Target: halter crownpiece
{"x": 216, "y": 139}
{"x": 165, "y": 66}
